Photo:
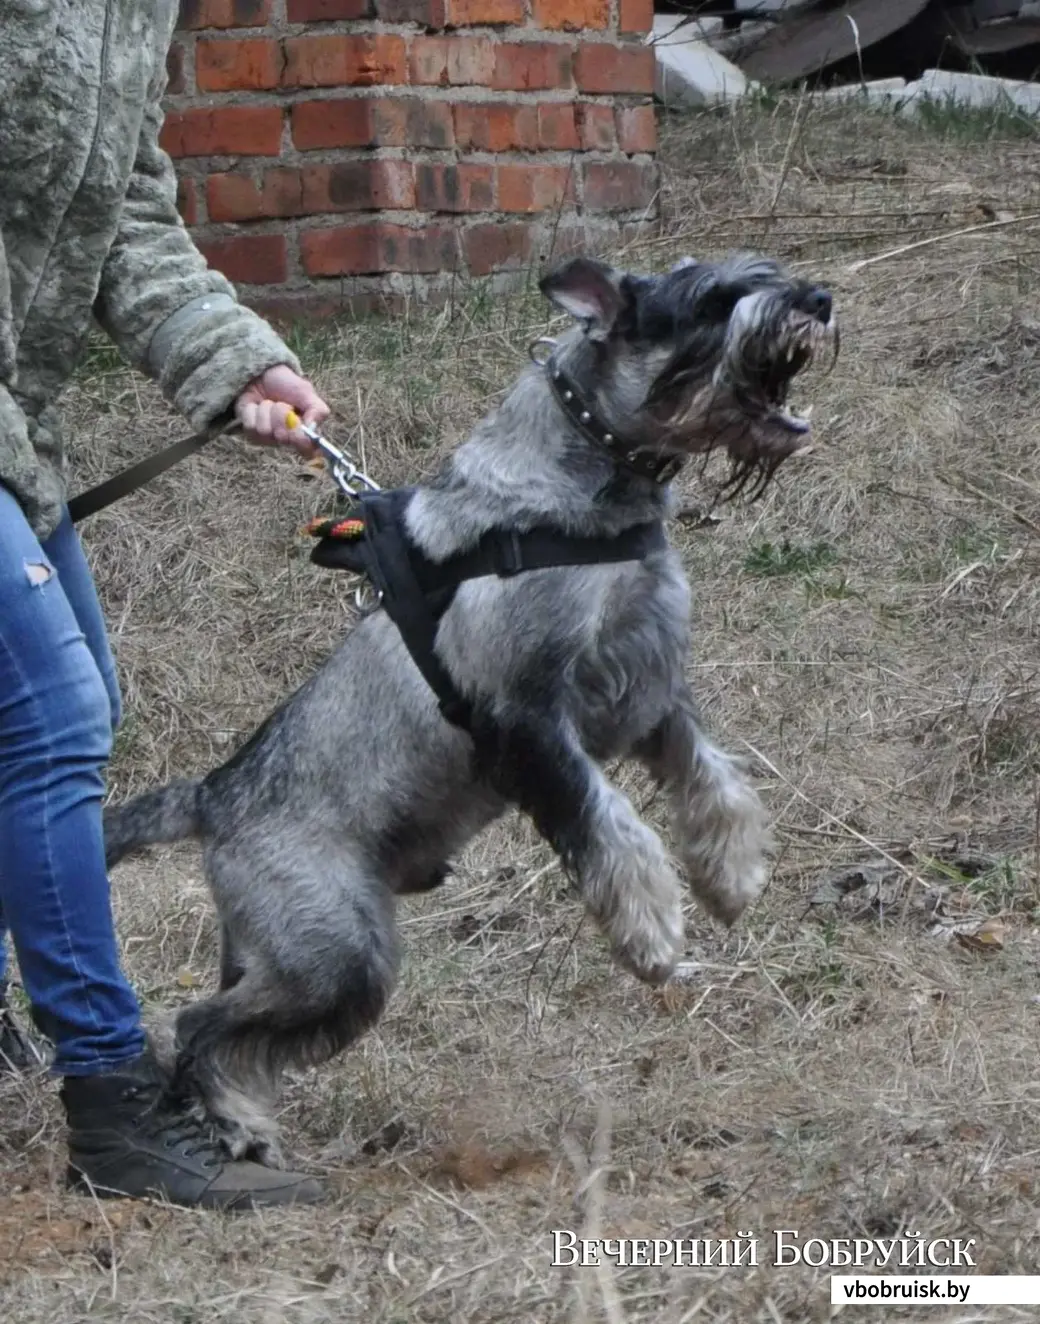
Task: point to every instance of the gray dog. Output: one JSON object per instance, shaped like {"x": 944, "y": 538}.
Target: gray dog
{"x": 358, "y": 790}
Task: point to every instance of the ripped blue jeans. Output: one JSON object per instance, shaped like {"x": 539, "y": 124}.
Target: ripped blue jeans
{"x": 59, "y": 707}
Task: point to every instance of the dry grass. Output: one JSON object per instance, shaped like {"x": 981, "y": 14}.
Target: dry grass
{"x": 869, "y": 631}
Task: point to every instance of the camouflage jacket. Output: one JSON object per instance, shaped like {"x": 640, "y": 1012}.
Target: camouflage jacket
{"x": 89, "y": 225}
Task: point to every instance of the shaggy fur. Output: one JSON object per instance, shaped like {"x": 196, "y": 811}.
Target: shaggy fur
{"x": 357, "y": 790}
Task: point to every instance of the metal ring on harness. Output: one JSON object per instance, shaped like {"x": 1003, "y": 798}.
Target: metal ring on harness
{"x": 367, "y": 599}
{"x": 534, "y": 351}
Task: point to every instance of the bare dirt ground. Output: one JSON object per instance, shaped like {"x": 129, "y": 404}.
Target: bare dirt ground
{"x": 852, "y": 1061}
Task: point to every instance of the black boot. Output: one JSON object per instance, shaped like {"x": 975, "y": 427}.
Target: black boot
{"x": 18, "y": 1050}
{"x": 128, "y": 1138}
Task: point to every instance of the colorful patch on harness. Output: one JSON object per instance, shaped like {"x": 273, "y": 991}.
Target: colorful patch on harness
{"x": 347, "y": 530}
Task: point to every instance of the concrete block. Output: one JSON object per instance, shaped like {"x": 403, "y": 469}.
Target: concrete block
{"x": 881, "y": 92}
{"x": 980, "y": 91}
{"x": 685, "y": 27}
{"x": 691, "y": 73}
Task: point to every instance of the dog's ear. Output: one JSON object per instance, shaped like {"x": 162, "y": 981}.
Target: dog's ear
{"x": 589, "y": 290}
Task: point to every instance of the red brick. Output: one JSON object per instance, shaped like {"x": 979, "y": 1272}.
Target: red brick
{"x": 463, "y": 13}
{"x": 491, "y": 246}
{"x": 428, "y": 61}
{"x": 234, "y": 197}
{"x": 224, "y": 131}
{"x": 451, "y": 61}
{"x": 432, "y": 248}
{"x": 427, "y": 13}
{"x": 370, "y": 248}
{"x": 429, "y": 123}
{"x": 525, "y": 65}
{"x": 176, "y": 82}
{"x": 635, "y": 15}
{"x": 223, "y": 13}
{"x": 323, "y": 11}
{"x": 596, "y": 126}
{"x": 557, "y": 131}
{"x": 619, "y": 186}
{"x": 599, "y": 67}
{"x": 250, "y": 259}
{"x": 340, "y": 252}
{"x": 574, "y": 15}
{"x": 637, "y": 128}
{"x": 348, "y": 122}
{"x": 187, "y": 201}
{"x": 454, "y": 188}
{"x": 533, "y": 188}
{"x": 484, "y": 127}
{"x": 237, "y": 64}
{"x": 340, "y": 123}
{"x": 339, "y": 61}
{"x": 359, "y": 186}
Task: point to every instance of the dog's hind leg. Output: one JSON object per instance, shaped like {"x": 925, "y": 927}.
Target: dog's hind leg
{"x": 318, "y": 958}
{"x": 718, "y": 819}
{"x": 621, "y": 868}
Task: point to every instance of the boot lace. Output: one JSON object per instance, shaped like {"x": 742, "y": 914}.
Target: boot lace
{"x": 176, "y": 1121}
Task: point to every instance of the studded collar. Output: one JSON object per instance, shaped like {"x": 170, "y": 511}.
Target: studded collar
{"x": 644, "y": 463}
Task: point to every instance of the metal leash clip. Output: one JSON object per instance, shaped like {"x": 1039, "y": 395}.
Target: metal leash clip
{"x": 345, "y": 473}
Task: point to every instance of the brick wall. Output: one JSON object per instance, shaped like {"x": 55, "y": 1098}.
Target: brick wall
{"x": 336, "y": 151}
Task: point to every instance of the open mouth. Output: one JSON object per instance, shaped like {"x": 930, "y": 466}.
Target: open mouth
{"x": 805, "y": 335}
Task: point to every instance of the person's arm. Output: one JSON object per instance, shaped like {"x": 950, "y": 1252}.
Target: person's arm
{"x": 17, "y": 461}
{"x": 175, "y": 318}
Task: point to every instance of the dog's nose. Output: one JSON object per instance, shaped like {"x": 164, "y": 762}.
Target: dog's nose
{"x": 817, "y": 303}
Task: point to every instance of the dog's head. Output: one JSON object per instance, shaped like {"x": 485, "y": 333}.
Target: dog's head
{"x": 699, "y": 358}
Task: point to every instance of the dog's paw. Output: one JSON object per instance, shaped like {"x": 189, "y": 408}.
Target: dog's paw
{"x": 726, "y": 876}
{"x": 645, "y": 926}
{"x": 724, "y": 842}
{"x": 725, "y": 894}
{"x": 256, "y": 1146}
{"x": 652, "y": 950}
{"x": 267, "y": 1151}
{"x": 631, "y": 887}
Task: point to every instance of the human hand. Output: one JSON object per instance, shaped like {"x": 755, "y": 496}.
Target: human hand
{"x": 265, "y": 404}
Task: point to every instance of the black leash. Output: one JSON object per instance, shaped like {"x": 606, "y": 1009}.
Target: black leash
{"x": 129, "y": 480}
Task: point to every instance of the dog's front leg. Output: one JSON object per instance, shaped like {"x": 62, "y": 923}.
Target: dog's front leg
{"x": 718, "y": 819}
{"x": 621, "y": 868}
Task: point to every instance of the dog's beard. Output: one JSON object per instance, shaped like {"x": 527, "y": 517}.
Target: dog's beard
{"x": 740, "y": 405}
{"x": 767, "y": 346}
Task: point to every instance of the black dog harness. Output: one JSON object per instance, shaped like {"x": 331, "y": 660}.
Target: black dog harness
{"x": 415, "y": 591}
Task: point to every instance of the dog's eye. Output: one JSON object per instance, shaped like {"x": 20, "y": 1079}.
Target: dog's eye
{"x": 723, "y": 301}
{"x": 712, "y": 305}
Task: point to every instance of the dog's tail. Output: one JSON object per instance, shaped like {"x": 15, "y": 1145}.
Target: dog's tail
{"x": 170, "y": 813}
